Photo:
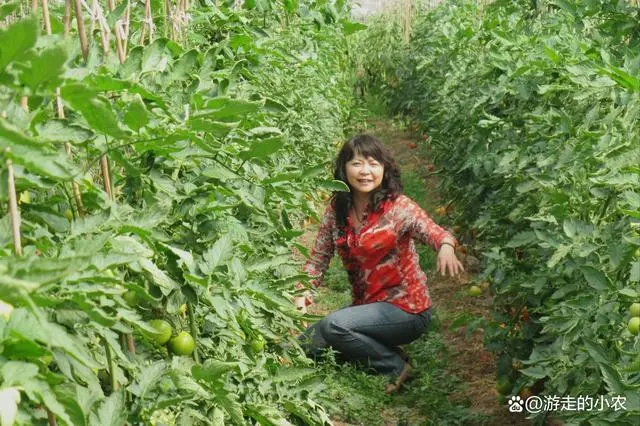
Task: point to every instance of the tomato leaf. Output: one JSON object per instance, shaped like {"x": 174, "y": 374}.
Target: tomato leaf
{"x": 264, "y": 148}
{"x": 17, "y": 39}
{"x": 110, "y": 412}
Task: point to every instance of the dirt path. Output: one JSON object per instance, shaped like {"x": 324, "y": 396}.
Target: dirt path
{"x": 468, "y": 360}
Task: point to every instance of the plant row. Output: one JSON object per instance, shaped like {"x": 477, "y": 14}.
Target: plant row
{"x": 157, "y": 194}
{"x": 531, "y": 111}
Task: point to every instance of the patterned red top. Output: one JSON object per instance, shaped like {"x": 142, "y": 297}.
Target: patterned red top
{"x": 381, "y": 258}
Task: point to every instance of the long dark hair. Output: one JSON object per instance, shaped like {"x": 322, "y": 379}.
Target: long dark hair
{"x": 366, "y": 146}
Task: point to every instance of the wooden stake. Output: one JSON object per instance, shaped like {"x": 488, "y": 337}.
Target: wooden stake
{"x": 119, "y": 45}
{"x": 106, "y": 178}
{"x": 127, "y": 25}
{"x": 84, "y": 43}
{"x": 45, "y": 16}
{"x": 14, "y": 213}
{"x": 148, "y": 22}
{"x": 104, "y": 36}
{"x": 60, "y": 112}
{"x": 67, "y": 17}
{"x": 104, "y": 159}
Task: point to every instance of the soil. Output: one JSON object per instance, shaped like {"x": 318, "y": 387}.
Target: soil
{"x": 469, "y": 360}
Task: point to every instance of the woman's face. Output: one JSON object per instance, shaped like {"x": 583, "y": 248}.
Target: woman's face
{"x": 364, "y": 174}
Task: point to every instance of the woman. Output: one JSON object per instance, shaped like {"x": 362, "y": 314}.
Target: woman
{"x": 372, "y": 228}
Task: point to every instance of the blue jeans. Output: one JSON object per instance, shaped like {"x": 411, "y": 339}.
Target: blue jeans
{"x": 367, "y": 333}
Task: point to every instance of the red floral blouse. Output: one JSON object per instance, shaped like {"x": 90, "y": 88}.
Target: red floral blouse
{"x": 381, "y": 258}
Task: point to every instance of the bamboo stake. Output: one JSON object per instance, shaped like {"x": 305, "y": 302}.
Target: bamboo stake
{"x": 60, "y": 111}
{"x": 67, "y": 17}
{"x": 67, "y": 147}
{"x": 106, "y": 178}
{"x": 119, "y": 45}
{"x": 143, "y": 27}
{"x": 104, "y": 36}
{"x": 84, "y": 43}
{"x": 148, "y": 22}
{"x": 14, "y": 213}
{"x": 45, "y": 16}
{"x": 178, "y": 19}
{"x": 104, "y": 159}
{"x": 128, "y": 24}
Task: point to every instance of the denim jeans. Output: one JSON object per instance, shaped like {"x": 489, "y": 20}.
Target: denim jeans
{"x": 367, "y": 334}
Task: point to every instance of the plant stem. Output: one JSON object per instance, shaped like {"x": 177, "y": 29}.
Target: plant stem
{"x": 51, "y": 418}
{"x": 110, "y": 365}
{"x": 131, "y": 344}
{"x": 194, "y": 331}
{"x": 604, "y": 208}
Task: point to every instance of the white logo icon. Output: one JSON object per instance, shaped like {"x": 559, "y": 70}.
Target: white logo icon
{"x": 515, "y": 404}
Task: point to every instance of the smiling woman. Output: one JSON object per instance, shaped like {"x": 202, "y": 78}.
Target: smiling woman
{"x": 373, "y": 227}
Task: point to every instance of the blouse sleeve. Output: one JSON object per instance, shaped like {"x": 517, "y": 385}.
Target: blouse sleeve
{"x": 323, "y": 248}
{"x": 415, "y": 222}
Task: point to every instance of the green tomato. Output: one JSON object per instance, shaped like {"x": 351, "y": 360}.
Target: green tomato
{"x": 183, "y": 344}
{"x": 164, "y": 331}
{"x": 25, "y": 198}
{"x": 68, "y": 214}
{"x": 46, "y": 359}
{"x": 474, "y": 290}
{"x": 257, "y": 344}
{"x": 637, "y": 253}
{"x": 504, "y": 385}
{"x": 635, "y": 310}
{"x": 131, "y": 297}
{"x": 634, "y": 326}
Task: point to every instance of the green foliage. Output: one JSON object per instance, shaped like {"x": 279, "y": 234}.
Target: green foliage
{"x": 212, "y": 151}
{"x": 531, "y": 108}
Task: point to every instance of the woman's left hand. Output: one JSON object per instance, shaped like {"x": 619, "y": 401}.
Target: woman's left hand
{"x": 447, "y": 261}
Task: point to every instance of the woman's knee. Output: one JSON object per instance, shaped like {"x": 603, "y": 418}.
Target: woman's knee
{"x": 335, "y": 327}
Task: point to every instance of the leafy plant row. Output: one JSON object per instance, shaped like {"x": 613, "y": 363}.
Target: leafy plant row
{"x": 166, "y": 227}
{"x": 531, "y": 111}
